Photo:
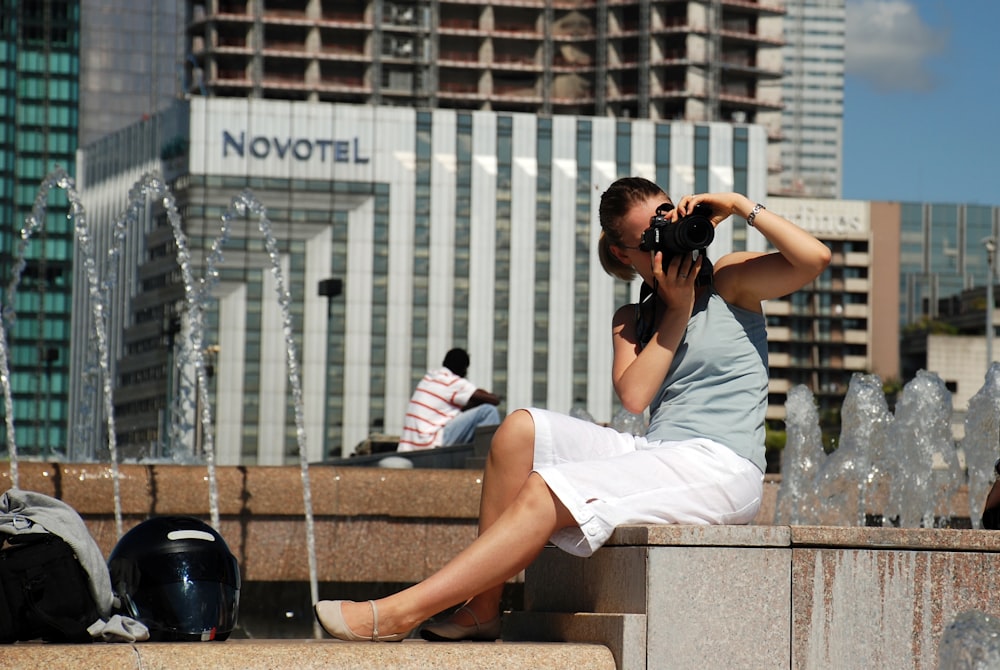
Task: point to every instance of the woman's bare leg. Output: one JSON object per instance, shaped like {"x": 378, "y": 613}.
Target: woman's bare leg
{"x": 508, "y": 464}
{"x": 505, "y": 548}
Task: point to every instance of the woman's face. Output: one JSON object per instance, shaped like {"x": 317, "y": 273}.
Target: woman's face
{"x": 631, "y": 228}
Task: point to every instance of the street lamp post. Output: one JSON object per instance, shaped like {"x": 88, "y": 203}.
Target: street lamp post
{"x": 330, "y": 288}
{"x": 991, "y": 247}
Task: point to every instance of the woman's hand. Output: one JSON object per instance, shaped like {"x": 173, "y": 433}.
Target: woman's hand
{"x": 723, "y": 205}
{"x": 675, "y": 283}
{"x": 638, "y": 372}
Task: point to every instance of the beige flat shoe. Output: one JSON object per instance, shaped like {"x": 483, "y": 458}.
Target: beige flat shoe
{"x": 447, "y": 631}
{"x": 331, "y": 618}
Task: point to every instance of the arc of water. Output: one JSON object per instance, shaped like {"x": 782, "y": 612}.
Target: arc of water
{"x": 148, "y": 186}
{"x": 8, "y": 316}
{"x": 246, "y": 202}
{"x": 32, "y": 224}
{"x": 195, "y": 295}
{"x": 98, "y": 302}
{"x": 97, "y": 296}
{"x": 8, "y": 404}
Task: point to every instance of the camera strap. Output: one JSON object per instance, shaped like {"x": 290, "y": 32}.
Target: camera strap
{"x": 706, "y": 274}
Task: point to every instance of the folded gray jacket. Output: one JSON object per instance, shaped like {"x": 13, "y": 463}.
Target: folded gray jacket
{"x": 31, "y": 512}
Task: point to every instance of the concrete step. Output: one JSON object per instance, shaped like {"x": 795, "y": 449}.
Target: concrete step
{"x": 623, "y": 634}
{"x": 305, "y": 655}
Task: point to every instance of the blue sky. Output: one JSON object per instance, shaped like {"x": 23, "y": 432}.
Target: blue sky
{"x": 922, "y": 101}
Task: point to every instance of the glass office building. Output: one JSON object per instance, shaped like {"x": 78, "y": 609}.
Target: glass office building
{"x": 942, "y": 253}
{"x": 944, "y": 269}
{"x": 131, "y": 62}
{"x": 39, "y": 69}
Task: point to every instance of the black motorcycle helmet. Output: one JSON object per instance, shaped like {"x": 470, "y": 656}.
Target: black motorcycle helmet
{"x": 176, "y": 575}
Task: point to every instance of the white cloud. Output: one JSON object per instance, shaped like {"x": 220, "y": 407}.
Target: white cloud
{"x": 888, "y": 45}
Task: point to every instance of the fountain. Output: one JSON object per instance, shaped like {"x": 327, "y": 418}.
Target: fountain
{"x": 980, "y": 441}
{"x": 98, "y": 302}
{"x": 971, "y": 642}
{"x": 197, "y": 292}
{"x": 901, "y": 468}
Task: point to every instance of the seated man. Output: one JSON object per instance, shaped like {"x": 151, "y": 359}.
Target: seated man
{"x": 446, "y": 408}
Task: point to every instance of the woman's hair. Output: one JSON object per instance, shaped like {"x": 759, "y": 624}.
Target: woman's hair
{"x": 621, "y": 196}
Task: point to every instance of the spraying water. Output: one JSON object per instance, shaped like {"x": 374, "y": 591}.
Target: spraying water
{"x": 982, "y": 435}
{"x": 191, "y": 352}
{"x": 97, "y": 295}
{"x": 246, "y": 205}
{"x": 195, "y": 294}
{"x": 800, "y": 459}
{"x": 859, "y": 462}
{"x": 625, "y": 421}
{"x": 929, "y": 471}
{"x": 970, "y": 642}
{"x": 904, "y": 466}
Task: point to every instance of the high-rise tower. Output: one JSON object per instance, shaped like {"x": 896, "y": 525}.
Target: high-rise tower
{"x": 812, "y": 92}
{"x": 131, "y": 62}
{"x": 39, "y": 66}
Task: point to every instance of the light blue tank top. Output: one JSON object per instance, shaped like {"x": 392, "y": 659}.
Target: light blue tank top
{"x": 717, "y": 385}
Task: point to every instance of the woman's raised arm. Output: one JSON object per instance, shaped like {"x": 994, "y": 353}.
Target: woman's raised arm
{"x": 747, "y": 278}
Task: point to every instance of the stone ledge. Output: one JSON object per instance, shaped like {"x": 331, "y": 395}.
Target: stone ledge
{"x": 701, "y": 536}
{"x": 623, "y": 634}
{"x": 936, "y": 539}
{"x": 840, "y": 537}
{"x": 305, "y": 655}
{"x": 277, "y": 490}
{"x": 363, "y": 516}
{"x": 258, "y": 490}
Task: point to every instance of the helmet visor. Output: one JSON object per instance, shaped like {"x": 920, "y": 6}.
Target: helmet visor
{"x": 190, "y": 610}
{"x": 191, "y": 593}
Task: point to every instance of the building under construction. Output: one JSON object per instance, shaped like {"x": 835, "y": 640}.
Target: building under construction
{"x": 707, "y": 60}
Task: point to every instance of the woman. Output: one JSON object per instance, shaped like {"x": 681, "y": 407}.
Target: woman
{"x": 694, "y": 352}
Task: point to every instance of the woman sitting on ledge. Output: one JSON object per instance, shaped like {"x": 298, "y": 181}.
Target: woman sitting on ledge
{"x": 694, "y": 350}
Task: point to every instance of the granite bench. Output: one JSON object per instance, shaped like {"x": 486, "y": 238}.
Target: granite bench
{"x": 678, "y": 597}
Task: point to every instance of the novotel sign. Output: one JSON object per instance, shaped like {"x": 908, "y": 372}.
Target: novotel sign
{"x": 293, "y": 148}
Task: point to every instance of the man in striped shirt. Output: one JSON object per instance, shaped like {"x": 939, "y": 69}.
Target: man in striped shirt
{"x": 446, "y": 408}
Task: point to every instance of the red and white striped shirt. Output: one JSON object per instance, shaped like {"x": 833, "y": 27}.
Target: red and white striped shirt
{"x": 438, "y": 398}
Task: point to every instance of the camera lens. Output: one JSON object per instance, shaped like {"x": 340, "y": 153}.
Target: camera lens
{"x": 694, "y": 232}
{"x": 689, "y": 233}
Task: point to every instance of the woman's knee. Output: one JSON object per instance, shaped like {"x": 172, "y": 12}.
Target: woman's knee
{"x": 515, "y": 438}
{"x": 541, "y": 501}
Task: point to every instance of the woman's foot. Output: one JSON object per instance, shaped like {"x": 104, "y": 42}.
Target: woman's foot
{"x": 462, "y": 625}
{"x": 330, "y": 615}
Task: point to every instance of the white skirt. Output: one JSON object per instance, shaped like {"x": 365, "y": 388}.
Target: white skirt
{"x": 608, "y": 479}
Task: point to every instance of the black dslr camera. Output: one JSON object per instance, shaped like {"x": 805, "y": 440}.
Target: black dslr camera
{"x": 689, "y": 233}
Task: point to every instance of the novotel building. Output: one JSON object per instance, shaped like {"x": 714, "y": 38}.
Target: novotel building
{"x": 395, "y": 234}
